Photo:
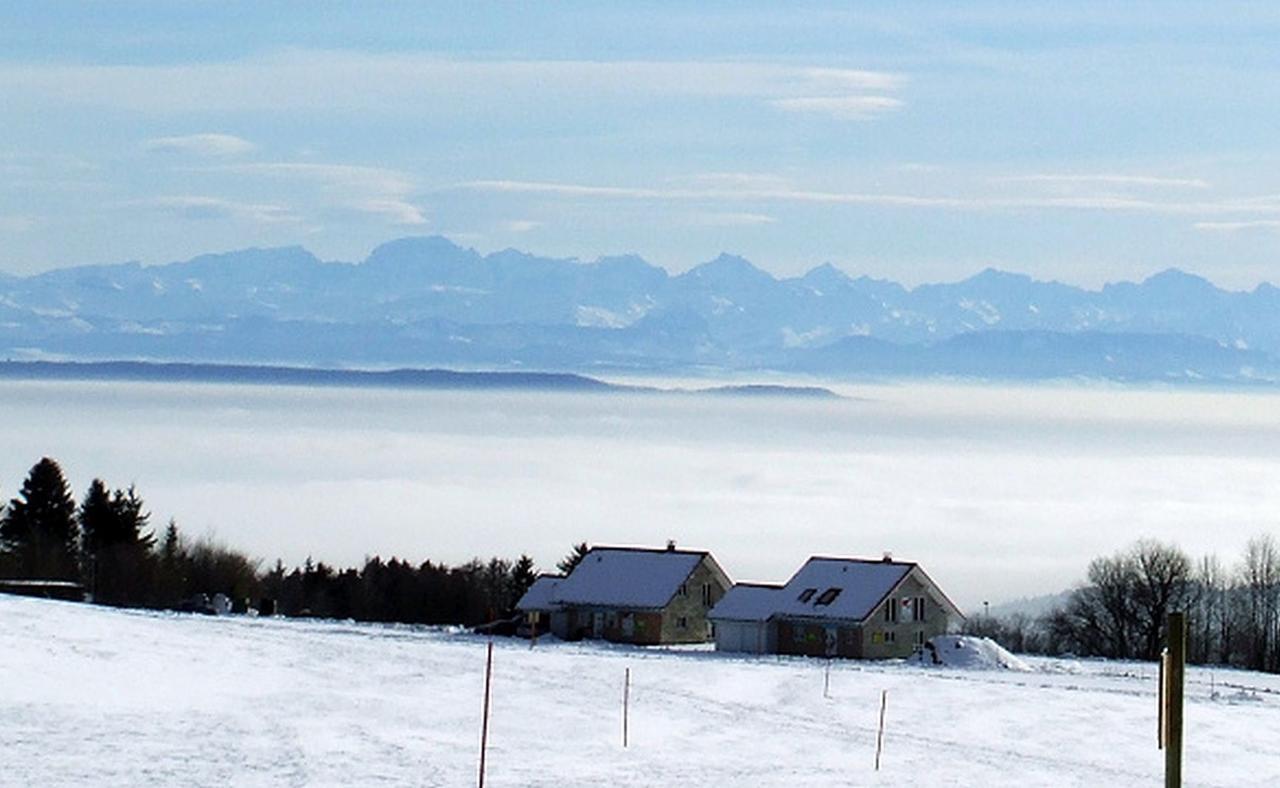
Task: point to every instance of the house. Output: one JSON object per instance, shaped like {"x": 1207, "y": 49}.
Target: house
{"x": 843, "y": 607}
{"x": 634, "y": 595}
{"x": 742, "y": 619}
{"x": 536, "y": 606}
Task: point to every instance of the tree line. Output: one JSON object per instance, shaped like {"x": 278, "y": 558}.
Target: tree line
{"x": 1120, "y": 610}
{"x": 105, "y": 542}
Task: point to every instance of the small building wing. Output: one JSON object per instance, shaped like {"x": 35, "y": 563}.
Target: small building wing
{"x": 625, "y": 577}
{"x": 839, "y": 588}
{"x": 748, "y": 602}
{"x": 540, "y": 594}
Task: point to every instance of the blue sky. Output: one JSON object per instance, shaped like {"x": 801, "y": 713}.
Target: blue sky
{"x": 1081, "y": 142}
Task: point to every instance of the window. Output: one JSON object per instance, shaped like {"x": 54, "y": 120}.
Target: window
{"x": 807, "y": 594}
{"x": 611, "y": 619}
{"x": 683, "y": 590}
{"x": 919, "y": 637}
{"x": 890, "y": 637}
{"x": 917, "y": 609}
{"x": 827, "y": 597}
{"x": 706, "y": 595}
{"x": 682, "y": 622}
{"x": 891, "y": 612}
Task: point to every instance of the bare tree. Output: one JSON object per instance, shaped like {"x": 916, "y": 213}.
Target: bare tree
{"x": 1162, "y": 575}
{"x": 1260, "y": 601}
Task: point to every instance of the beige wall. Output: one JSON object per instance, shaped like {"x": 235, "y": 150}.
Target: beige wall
{"x": 905, "y": 632}
{"x": 692, "y": 608}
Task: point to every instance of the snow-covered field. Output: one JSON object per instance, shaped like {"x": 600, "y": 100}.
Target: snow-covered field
{"x": 97, "y": 697}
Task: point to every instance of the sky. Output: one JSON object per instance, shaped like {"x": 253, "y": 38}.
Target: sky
{"x": 1085, "y": 142}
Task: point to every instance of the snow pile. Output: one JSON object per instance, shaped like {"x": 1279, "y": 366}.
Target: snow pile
{"x": 971, "y": 653}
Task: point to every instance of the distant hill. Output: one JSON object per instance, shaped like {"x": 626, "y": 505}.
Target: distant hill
{"x": 427, "y": 302}
{"x": 446, "y": 379}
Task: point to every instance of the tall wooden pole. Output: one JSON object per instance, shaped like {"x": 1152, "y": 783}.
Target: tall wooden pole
{"x": 484, "y": 724}
{"x": 1173, "y": 675}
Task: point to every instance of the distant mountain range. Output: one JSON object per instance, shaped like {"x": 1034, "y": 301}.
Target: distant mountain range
{"x": 428, "y": 302}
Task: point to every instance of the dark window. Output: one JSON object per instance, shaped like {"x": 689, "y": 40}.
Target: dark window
{"x": 827, "y": 597}
{"x": 807, "y": 594}
{"x": 682, "y": 622}
{"x": 706, "y": 595}
{"x": 891, "y": 611}
{"x": 917, "y": 609}
{"x": 683, "y": 590}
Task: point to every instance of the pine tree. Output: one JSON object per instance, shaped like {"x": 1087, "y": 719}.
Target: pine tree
{"x": 39, "y": 528}
{"x": 523, "y": 575}
{"x": 575, "y": 556}
{"x": 117, "y": 552}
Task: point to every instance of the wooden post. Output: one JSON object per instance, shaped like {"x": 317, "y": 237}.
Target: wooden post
{"x": 1173, "y": 678}
{"x": 484, "y": 724}
{"x": 884, "y": 699}
{"x": 626, "y": 706}
{"x": 826, "y": 681}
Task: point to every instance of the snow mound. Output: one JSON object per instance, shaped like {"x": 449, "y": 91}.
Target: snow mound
{"x": 970, "y": 653}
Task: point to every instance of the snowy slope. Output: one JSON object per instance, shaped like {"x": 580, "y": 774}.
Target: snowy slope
{"x": 100, "y": 697}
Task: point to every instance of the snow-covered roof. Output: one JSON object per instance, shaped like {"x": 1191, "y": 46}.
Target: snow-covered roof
{"x": 861, "y": 584}
{"x": 538, "y": 597}
{"x": 627, "y": 577}
{"x": 747, "y": 602}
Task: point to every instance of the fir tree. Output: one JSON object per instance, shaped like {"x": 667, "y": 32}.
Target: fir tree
{"x": 39, "y": 528}
{"x": 117, "y": 551}
{"x": 575, "y": 556}
{"x": 523, "y": 575}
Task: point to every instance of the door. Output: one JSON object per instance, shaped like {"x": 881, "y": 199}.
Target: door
{"x": 832, "y": 640}
{"x": 597, "y": 624}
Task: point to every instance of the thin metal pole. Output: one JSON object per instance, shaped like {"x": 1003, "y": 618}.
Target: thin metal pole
{"x": 826, "y": 681}
{"x": 484, "y": 724}
{"x": 626, "y": 708}
{"x": 884, "y": 699}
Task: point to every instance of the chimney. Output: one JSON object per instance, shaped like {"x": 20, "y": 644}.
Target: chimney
{"x": 888, "y": 557}
{"x": 671, "y": 545}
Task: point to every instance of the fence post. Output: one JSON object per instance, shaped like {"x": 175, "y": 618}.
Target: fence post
{"x": 626, "y": 706}
{"x": 884, "y": 699}
{"x": 484, "y": 722}
{"x": 1173, "y": 679}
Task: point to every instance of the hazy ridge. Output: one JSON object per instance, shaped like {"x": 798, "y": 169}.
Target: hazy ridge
{"x": 428, "y": 302}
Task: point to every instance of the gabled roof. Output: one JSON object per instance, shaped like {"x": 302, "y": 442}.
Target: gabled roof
{"x": 538, "y": 597}
{"x": 632, "y": 577}
{"x": 862, "y": 584}
{"x": 747, "y": 602}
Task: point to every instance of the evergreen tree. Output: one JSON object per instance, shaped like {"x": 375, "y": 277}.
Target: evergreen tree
{"x": 96, "y": 514}
{"x": 39, "y": 528}
{"x": 574, "y": 558}
{"x": 523, "y": 574}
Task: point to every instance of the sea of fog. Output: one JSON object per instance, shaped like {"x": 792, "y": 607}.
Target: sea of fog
{"x": 999, "y": 492}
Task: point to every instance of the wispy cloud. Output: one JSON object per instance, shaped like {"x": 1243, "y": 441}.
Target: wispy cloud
{"x": 204, "y": 208}
{"x": 374, "y": 191}
{"x": 732, "y": 219}
{"x": 338, "y": 81}
{"x": 1104, "y": 179}
{"x": 1235, "y": 227}
{"x": 1256, "y": 206}
{"x": 840, "y": 107}
{"x": 200, "y": 145}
